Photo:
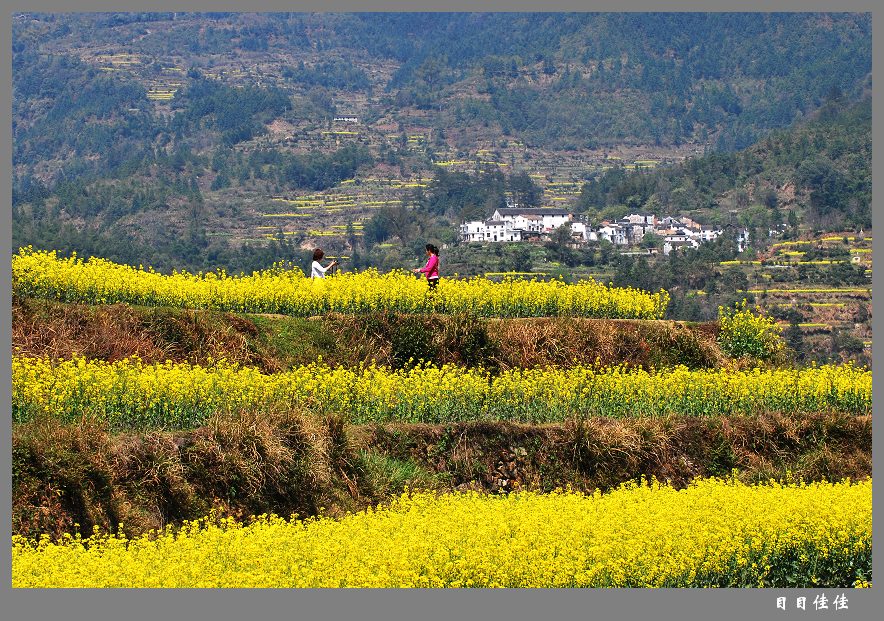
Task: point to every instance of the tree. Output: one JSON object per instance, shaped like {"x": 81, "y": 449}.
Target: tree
{"x": 862, "y": 313}
{"x": 843, "y": 341}
{"x": 827, "y": 185}
{"x": 521, "y": 259}
{"x": 523, "y": 190}
{"x": 734, "y": 280}
{"x": 377, "y": 228}
{"x": 559, "y": 245}
{"x": 651, "y": 240}
{"x": 351, "y": 234}
{"x": 795, "y": 340}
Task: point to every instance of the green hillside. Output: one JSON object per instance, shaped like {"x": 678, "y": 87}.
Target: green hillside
{"x": 820, "y": 170}
{"x": 204, "y": 141}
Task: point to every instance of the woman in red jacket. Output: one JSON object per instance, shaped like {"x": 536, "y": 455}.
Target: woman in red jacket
{"x": 431, "y": 269}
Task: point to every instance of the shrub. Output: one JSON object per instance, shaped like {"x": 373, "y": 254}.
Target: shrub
{"x": 744, "y": 333}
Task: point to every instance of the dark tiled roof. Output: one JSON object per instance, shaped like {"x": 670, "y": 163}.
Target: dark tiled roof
{"x": 539, "y": 211}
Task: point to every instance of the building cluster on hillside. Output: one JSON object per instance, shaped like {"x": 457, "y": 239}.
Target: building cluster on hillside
{"x": 515, "y": 224}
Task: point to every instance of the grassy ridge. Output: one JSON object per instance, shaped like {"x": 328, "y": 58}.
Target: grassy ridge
{"x": 69, "y": 478}
{"x": 276, "y": 343}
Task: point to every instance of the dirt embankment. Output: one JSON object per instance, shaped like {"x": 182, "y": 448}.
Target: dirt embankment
{"x": 71, "y": 478}
{"x": 277, "y": 343}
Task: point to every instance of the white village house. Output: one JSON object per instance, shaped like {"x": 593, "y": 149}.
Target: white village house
{"x": 490, "y": 231}
{"x": 550, "y": 218}
{"x": 679, "y": 235}
{"x": 613, "y": 233}
{"x": 670, "y": 245}
{"x": 742, "y": 239}
{"x": 473, "y": 231}
{"x": 636, "y": 225}
{"x": 514, "y": 224}
{"x": 511, "y": 224}
{"x": 708, "y": 233}
{"x": 679, "y": 238}
{"x": 579, "y": 230}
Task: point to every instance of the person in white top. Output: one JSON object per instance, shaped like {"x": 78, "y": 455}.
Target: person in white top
{"x": 316, "y": 270}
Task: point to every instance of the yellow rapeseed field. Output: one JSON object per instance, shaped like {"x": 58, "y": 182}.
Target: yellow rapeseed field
{"x": 98, "y": 281}
{"x": 715, "y": 533}
{"x": 129, "y": 393}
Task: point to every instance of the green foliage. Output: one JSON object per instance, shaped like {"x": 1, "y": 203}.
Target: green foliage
{"x": 382, "y": 476}
{"x": 743, "y": 333}
{"x": 466, "y": 337}
{"x": 471, "y": 197}
{"x": 521, "y": 260}
{"x": 89, "y": 147}
{"x": 238, "y": 113}
{"x": 63, "y": 106}
{"x": 559, "y": 246}
{"x": 318, "y": 171}
{"x": 412, "y": 341}
{"x": 828, "y": 160}
{"x": 333, "y": 73}
{"x": 683, "y": 78}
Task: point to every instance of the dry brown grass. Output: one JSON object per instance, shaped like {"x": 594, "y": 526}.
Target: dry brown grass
{"x": 565, "y": 341}
{"x": 604, "y": 452}
{"x": 113, "y": 332}
{"x": 536, "y": 343}
{"x": 527, "y": 343}
{"x": 195, "y": 336}
{"x": 118, "y": 331}
{"x": 61, "y": 331}
{"x": 240, "y": 464}
{"x": 288, "y": 462}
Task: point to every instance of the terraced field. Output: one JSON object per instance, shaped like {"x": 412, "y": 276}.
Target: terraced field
{"x": 397, "y": 450}
{"x": 825, "y": 305}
